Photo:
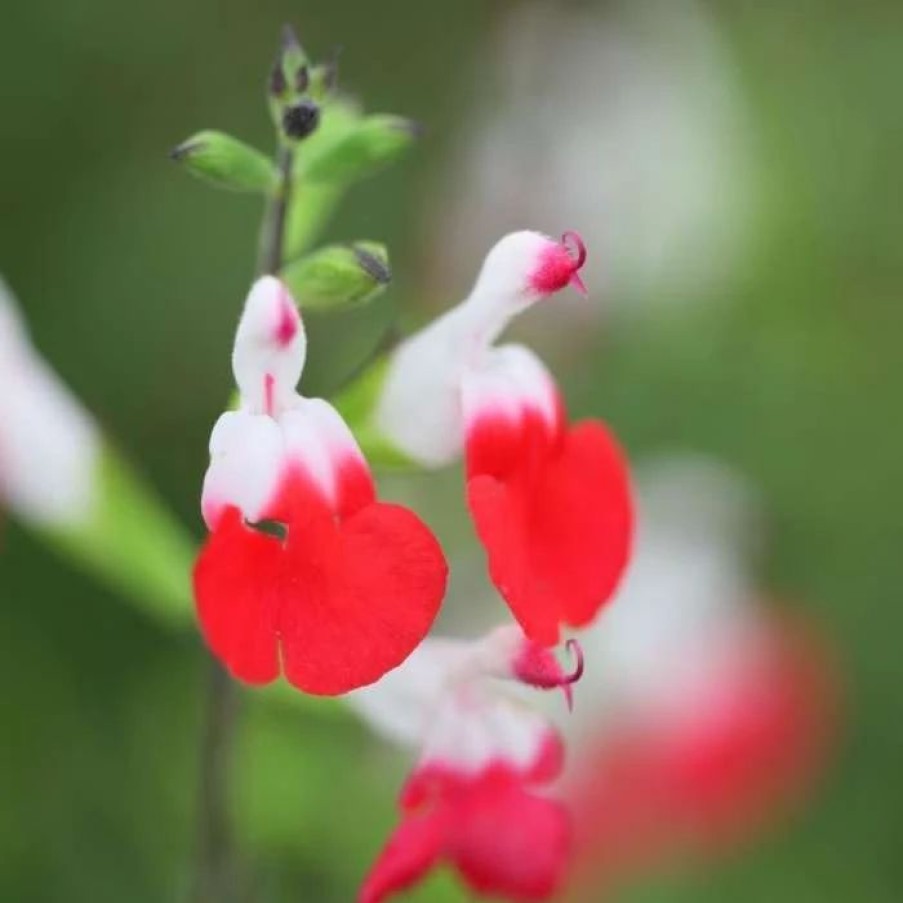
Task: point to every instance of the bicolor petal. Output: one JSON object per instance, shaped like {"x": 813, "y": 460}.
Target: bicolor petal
{"x": 474, "y": 800}
{"x": 420, "y": 408}
{"x": 503, "y": 839}
{"x": 551, "y": 502}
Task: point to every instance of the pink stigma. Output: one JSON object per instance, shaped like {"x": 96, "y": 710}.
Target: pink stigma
{"x": 559, "y": 265}
{"x": 537, "y": 667}
{"x": 576, "y": 650}
{"x": 574, "y": 243}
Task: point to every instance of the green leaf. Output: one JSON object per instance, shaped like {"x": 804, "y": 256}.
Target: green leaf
{"x": 226, "y": 162}
{"x": 365, "y": 147}
{"x": 338, "y": 276}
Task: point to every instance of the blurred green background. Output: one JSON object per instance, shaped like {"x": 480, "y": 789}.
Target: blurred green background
{"x": 131, "y": 276}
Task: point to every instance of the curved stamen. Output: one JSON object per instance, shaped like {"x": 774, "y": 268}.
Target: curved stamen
{"x": 575, "y": 247}
{"x": 576, "y": 650}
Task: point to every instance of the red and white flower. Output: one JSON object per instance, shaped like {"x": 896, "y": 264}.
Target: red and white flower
{"x": 715, "y": 712}
{"x": 475, "y": 799}
{"x": 304, "y": 572}
{"x": 550, "y": 500}
{"x": 49, "y": 445}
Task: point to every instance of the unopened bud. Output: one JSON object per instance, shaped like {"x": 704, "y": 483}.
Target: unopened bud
{"x": 338, "y": 276}
{"x": 225, "y": 161}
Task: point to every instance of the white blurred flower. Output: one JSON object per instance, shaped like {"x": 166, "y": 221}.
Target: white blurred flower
{"x": 687, "y": 601}
{"x": 49, "y": 445}
{"x": 624, "y": 123}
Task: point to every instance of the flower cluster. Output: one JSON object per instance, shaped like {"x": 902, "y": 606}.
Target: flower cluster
{"x": 715, "y": 708}
{"x": 307, "y": 574}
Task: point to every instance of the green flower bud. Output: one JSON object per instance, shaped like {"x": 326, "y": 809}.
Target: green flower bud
{"x": 373, "y": 142}
{"x": 227, "y": 162}
{"x": 338, "y": 275}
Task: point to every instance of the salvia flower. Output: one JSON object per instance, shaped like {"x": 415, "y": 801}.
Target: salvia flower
{"x": 49, "y": 445}
{"x": 716, "y": 711}
{"x": 304, "y": 571}
{"x": 475, "y": 800}
{"x": 550, "y": 500}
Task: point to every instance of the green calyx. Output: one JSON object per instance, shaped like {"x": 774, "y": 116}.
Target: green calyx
{"x": 226, "y": 162}
{"x": 338, "y": 276}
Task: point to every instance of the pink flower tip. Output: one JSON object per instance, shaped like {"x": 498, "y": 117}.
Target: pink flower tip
{"x": 537, "y": 667}
{"x": 559, "y": 265}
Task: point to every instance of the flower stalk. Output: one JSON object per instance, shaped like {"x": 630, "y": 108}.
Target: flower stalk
{"x": 272, "y": 237}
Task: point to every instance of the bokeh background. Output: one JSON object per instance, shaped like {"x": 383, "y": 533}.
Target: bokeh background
{"x": 735, "y": 168}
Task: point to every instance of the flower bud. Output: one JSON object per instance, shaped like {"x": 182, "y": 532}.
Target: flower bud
{"x": 338, "y": 276}
{"x": 225, "y": 161}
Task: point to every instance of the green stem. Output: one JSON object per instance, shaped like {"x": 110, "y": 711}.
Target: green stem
{"x": 216, "y": 868}
{"x": 216, "y": 872}
{"x": 272, "y": 237}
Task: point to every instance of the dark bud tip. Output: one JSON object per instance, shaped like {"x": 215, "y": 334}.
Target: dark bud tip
{"x": 277, "y": 80}
{"x": 181, "y": 151}
{"x": 302, "y": 79}
{"x": 300, "y": 119}
{"x": 289, "y": 38}
{"x": 372, "y": 265}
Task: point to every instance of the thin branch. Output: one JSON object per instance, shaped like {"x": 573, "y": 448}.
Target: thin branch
{"x": 272, "y": 235}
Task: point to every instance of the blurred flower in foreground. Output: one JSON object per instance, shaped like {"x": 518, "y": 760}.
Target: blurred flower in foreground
{"x": 474, "y": 800}
{"x": 49, "y": 445}
{"x": 551, "y": 501}
{"x": 623, "y": 119}
{"x": 704, "y": 712}
{"x": 304, "y": 570}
